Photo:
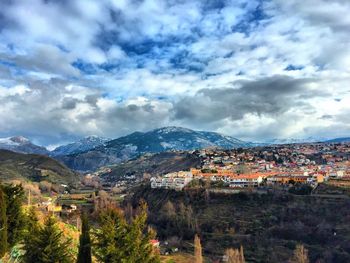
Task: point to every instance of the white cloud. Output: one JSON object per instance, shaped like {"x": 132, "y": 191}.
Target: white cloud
{"x": 138, "y": 60}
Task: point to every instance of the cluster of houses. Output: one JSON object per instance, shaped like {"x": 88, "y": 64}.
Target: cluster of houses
{"x": 179, "y": 180}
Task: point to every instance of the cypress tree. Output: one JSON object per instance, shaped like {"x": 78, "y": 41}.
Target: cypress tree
{"x": 3, "y": 224}
{"x": 48, "y": 245}
{"x": 15, "y": 217}
{"x": 84, "y": 254}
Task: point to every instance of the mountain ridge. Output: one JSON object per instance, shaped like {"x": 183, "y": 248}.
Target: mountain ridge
{"x": 163, "y": 139}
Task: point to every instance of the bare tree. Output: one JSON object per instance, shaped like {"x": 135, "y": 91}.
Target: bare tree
{"x": 198, "y": 257}
{"x": 300, "y": 255}
{"x": 233, "y": 255}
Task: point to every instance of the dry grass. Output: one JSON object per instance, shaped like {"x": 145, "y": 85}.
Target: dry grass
{"x": 178, "y": 258}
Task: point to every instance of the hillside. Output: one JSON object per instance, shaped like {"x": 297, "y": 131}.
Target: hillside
{"x": 155, "y": 141}
{"x": 268, "y": 225}
{"x": 33, "y": 167}
{"x": 160, "y": 163}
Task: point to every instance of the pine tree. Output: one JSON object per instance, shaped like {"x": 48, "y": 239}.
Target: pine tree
{"x": 84, "y": 254}
{"x": 110, "y": 237}
{"x": 198, "y": 250}
{"x": 48, "y": 245}
{"x": 31, "y": 232}
{"x": 117, "y": 241}
{"x": 141, "y": 248}
{"x": 15, "y": 217}
{"x": 300, "y": 255}
{"x": 3, "y": 224}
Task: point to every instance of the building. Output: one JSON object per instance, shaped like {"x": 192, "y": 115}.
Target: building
{"x": 176, "y": 180}
{"x": 245, "y": 180}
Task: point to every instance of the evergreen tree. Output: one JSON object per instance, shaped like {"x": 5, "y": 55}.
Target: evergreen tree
{"x": 117, "y": 241}
{"x": 3, "y": 224}
{"x": 48, "y": 245}
{"x": 15, "y": 217}
{"x": 141, "y": 249}
{"x": 30, "y": 236}
{"x": 110, "y": 237}
{"x": 198, "y": 257}
{"x": 84, "y": 254}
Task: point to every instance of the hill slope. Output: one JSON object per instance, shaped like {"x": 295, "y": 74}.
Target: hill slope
{"x": 155, "y": 141}
{"x": 33, "y": 167}
{"x": 160, "y": 163}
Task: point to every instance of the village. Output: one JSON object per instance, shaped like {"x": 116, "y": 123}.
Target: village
{"x": 308, "y": 164}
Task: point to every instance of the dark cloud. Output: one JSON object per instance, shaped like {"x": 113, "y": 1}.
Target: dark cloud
{"x": 270, "y": 96}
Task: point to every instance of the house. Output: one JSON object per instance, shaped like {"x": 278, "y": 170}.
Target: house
{"x": 155, "y": 243}
{"x": 54, "y": 208}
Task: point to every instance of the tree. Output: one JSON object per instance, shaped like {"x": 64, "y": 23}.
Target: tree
{"x": 31, "y": 231}
{"x": 198, "y": 250}
{"x": 48, "y": 245}
{"x": 169, "y": 210}
{"x": 3, "y": 224}
{"x": 15, "y": 218}
{"x": 118, "y": 241}
{"x": 300, "y": 255}
{"x": 84, "y": 254}
{"x": 235, "y": 255}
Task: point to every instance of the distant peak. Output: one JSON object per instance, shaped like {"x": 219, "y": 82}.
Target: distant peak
{"x": 19, "y": 139}
{"x": 171, "y": 129}
{"x": 93, "y": 138}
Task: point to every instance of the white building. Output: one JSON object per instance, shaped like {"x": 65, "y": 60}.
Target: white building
{"x": 176, "y": 180}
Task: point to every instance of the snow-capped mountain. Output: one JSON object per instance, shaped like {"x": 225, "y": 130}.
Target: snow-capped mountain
{"x": 22, "y": 145}
{"x": 155, "y": 141}
{"x": 83, "y": 145}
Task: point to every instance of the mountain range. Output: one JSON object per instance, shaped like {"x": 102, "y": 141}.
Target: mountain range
{"x": 92, "y": 152}
{"x": 155, "y": 141}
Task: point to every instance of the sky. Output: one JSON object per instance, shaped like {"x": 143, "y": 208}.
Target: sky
{"x": 252, "y": 69}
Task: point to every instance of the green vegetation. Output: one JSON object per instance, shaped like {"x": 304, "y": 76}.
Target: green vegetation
{"x": 15, "y": 219}
{"x": 11, "y": 216}
{"x": 84, "y": 254}
{"x": 47, "y": 244}
{"x": 116, "y": 239}
{"x": 3, "y": 224}
{"x": 119, "y": 241}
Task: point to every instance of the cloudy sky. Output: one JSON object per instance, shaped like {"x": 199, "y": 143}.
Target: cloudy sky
{"x": 253, "y": 69}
